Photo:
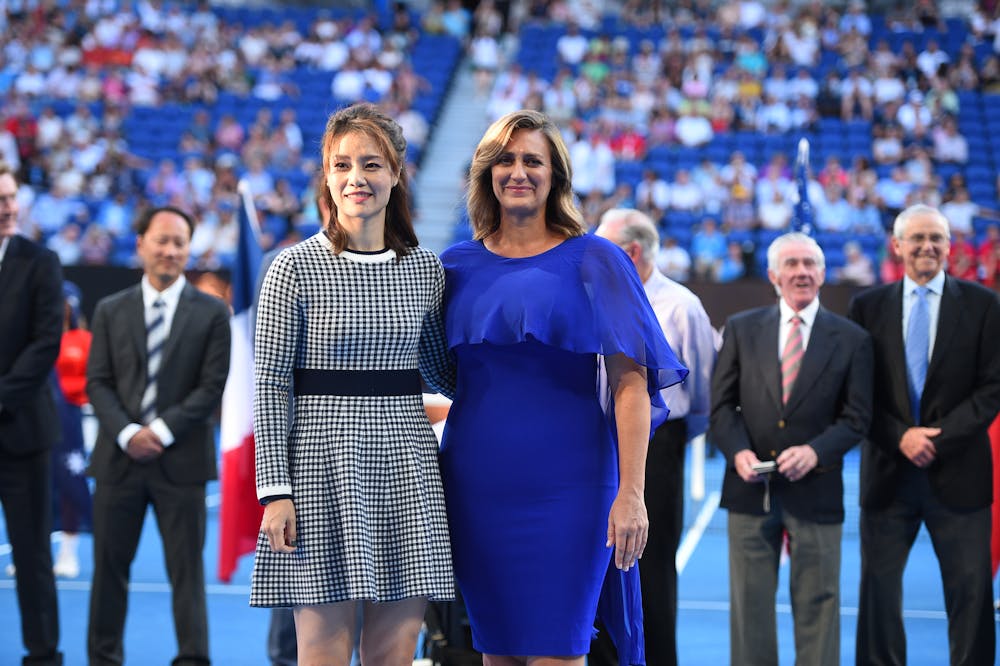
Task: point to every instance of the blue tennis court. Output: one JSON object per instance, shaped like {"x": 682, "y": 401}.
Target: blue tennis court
{"x": 238, "y": 632}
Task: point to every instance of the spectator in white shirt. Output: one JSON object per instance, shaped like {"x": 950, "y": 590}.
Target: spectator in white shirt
{"x": 832, "y": 213}
{"x": 777, "y": 84}
{"x": 914, "y": 117}
{"x": 692, "y": 130}
{"x": 685, "y": 194}
{"x": 858, "y": 268}
{"x": 775, "y": 213}
{"x": 931, "y": 58}
{"x": 856, "y": 18}
{"x": 348, "y": 84}
{"x": 593, "y": 165}
{"x": 572, "y": 46}
{"x": 773, "y": 116}
{"x": 856, "y": 96}
{"x": 949, "y": 144}
{"x": 887, "y": 86}
{"x": 961, "y": 212}
{"x": 652, "y": 194}
{"x": 673, "y": 260}
{"x": 804, "y": 84}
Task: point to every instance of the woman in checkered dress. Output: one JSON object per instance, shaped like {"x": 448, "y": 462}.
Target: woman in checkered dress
{"x": 346, "y": 458}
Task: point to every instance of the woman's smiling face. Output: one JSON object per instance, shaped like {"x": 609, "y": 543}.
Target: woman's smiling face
{"x": 522, "y": 174}
{"x": 360, "y": 178}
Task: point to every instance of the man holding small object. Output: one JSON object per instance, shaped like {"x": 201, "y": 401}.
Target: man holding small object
{"x": 791, "y": 394}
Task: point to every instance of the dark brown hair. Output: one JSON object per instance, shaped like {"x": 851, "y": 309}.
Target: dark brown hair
{"x": 367, "y": 119}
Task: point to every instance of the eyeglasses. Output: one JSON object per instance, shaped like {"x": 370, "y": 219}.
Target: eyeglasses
{"x": 920, "y": 239}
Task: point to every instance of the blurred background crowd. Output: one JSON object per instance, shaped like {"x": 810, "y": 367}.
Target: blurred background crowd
{"x": 690, "y": 110}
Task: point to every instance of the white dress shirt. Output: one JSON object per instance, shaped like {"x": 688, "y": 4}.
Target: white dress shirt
{"x": 171, "y": 296}
{"x": 808, "y": 316}
{"x": 689, "y": 331}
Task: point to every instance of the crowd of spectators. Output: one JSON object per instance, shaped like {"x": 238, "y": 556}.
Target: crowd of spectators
{"x": 692, "y": 113}
{"x": 689, "y": 111}
{"x": 78, "y": 77}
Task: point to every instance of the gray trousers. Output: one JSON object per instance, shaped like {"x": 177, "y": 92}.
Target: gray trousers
{"x": 755, "y": 544}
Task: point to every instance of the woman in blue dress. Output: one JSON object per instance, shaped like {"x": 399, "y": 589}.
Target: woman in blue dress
{"x": 559, "y": 365}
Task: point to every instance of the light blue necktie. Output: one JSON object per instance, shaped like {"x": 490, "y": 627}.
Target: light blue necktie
{"x": 917, "y": 348}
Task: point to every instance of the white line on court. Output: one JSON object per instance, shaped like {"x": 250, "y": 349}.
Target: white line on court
{"x": 149, "y": 588}
{"x": 693, "y": 535}
{"x": 786, "y": 609}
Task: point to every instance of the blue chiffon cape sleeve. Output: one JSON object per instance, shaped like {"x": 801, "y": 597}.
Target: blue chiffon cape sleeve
{"x": 583, "y": 295}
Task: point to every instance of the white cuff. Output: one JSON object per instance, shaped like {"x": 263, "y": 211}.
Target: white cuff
{"x": 127, "y": 433}
{"x": 160, "y": 429}
{"x": 271, "y": 491}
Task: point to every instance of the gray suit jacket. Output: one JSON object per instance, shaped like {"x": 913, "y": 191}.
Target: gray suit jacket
{"x": 829, "y": 409}
{"x": 189, "y": 389}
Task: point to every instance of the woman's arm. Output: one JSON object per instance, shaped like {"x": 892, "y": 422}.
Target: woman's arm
{"x": 628, "y": 526}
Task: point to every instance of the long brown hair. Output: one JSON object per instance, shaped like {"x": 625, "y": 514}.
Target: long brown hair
{"x": 367, "y": 119}
{"x": 561, "y": 214}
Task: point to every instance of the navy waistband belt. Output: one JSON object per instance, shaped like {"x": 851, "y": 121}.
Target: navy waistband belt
{"x": 357, "y": 382}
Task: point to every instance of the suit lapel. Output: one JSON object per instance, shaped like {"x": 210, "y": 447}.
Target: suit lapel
{"x": 948, "y": 317}
{"x": 137, "y": 322}
{"x": 822, "y": 343}
{"x": 181, "y": 318}
{"x": 11, "y": 266}
{"x": 765, "y": 346}
{"x": 891, "y": 328}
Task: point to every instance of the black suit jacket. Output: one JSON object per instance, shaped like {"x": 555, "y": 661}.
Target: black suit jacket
{"x": 31, "y": 324}
{"x": 829, "y": 409}
{"x": 189, "y": 388}
{"x": 961, "y": 395}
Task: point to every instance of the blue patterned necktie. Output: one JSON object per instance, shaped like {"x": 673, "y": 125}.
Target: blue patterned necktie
{"x": 156, "y": 335}
{"x": 917, "y": 348}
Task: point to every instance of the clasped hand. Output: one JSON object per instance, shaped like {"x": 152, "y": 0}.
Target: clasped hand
{"x": 144, "y": 446}
{"x": 916, "y": 445}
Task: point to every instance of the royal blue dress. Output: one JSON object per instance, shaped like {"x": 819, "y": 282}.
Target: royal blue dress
{"x": 529, "y": 456}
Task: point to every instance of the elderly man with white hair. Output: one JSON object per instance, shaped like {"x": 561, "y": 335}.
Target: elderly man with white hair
{"x": 791, "y": 395}
{"x": 926, "y": 460}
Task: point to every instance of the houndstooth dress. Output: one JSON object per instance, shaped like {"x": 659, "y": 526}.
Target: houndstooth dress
{"x": 362, "y": 470}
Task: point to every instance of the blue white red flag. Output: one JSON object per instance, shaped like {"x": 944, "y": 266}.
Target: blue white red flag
{"x": 239, "y": 512}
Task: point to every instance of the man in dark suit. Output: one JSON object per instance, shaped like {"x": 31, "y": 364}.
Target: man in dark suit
{"x": 31, "y": 316}
{"x": 158, "y": 364}
{"x": 927, "y": 459}
{"x": 793, "y": 385}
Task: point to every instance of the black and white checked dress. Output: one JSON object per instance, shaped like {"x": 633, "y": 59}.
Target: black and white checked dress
{"x": 362, "y": 471}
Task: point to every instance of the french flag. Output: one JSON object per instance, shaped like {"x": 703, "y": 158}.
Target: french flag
{"x": 240, "y": 513}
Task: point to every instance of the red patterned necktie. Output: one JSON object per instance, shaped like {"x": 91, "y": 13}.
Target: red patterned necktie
{"x": 791, "y": 358}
